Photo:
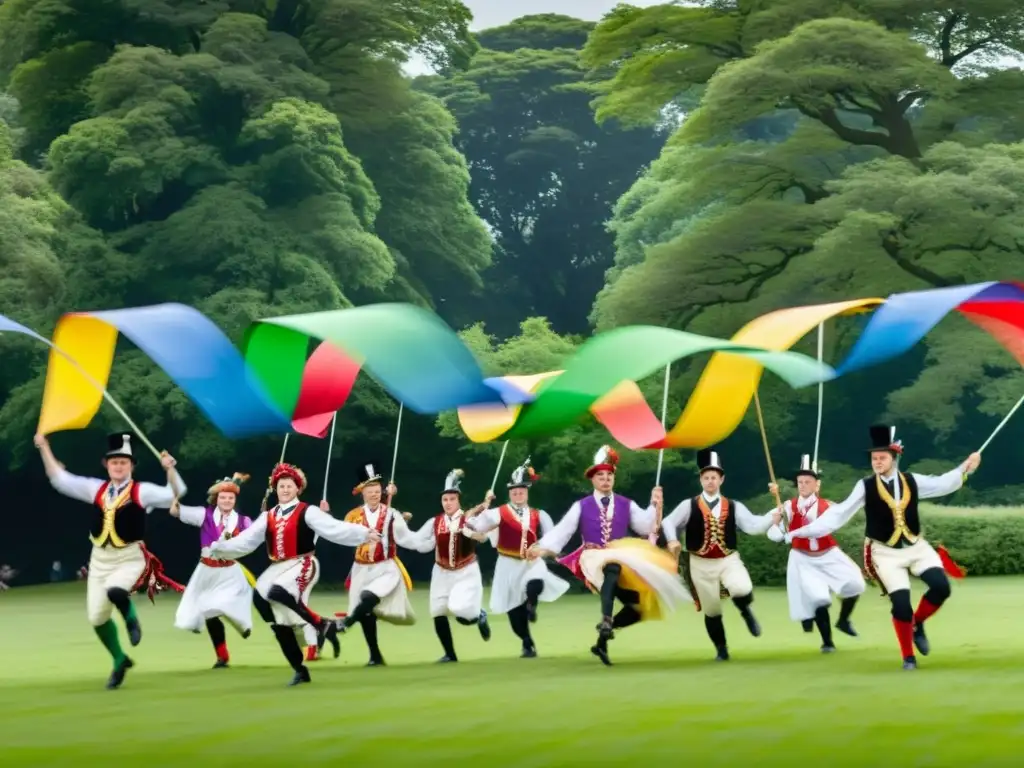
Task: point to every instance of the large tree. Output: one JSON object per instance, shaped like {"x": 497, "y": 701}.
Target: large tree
{"x": 887, "y": 180}
{"x": 544, "y": 175}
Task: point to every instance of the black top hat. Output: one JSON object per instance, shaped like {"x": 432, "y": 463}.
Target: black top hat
{"x": 367, "y": 474}
{"x": 808, "y": 468}
{"x": 708, "y": 458}
{"x": 119, "y": 446}
{"x": 883, "y": 438}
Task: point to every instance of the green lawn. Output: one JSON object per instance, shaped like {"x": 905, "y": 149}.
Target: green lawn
{"x": 779, "y": 700}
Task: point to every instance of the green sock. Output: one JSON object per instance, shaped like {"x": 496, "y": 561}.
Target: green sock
{"x": 131, "y": 612}
{"x": 107, "y": 634}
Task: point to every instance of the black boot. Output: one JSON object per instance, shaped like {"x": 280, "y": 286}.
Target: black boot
{"x": 910, "y": 663}
{"x": 921, "y": 640}
{"x": 845, "y": 610}
{"x": 292, "y": 652}
{"x": 821, "y": 618}
{"x": 808, "y": 625}
{"x": 743, "y": 603}
{"x": 444, "y": 633}
{"x": 328, "y": 632}
{"x": 369, "y": 625}
{"x": 117, "y": 676}
{"x": 484, "y": 626}
{"x": 715, "y": 627}
{"x": 534, "y": 587}
{"x": 604, "y": 634}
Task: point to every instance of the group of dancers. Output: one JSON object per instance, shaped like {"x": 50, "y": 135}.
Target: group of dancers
{"x": 618, "y": 558}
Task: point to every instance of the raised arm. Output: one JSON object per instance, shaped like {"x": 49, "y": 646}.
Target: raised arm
{"x": 337, "y": 531}
{"x": 933, "y": 486}
{"x": 189, "y": 515}
{"x": 556, "y": 539}
{"x": 678, "y": 518}
{"x": 65, "y": 483}
{"x": 754, "y": 525}
{"x": 162, "y": 496}
{"x": 242, "y": 544}
{"x": 835, "y": 517}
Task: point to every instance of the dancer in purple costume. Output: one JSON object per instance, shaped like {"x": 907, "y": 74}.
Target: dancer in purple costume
{"x": 218, "y": 588}
{"x": 609, "y": 554}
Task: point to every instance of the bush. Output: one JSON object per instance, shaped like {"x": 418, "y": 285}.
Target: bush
{"x": 987, "y": 541}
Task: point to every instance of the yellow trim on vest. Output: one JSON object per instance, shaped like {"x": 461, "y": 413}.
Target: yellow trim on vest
{"x": 110, "y": 509}
{"x": 899, "y": 519}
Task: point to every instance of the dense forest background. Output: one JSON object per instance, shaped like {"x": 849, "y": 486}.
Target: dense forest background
{"x": 687, "y": 166}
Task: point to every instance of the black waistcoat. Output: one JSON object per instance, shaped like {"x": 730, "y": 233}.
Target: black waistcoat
{"x": 885, "y": 525}
{"x": 697, "y": 529}
{"x": 127, "y": 518}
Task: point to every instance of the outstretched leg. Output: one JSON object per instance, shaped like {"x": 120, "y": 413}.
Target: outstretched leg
{"x": 219, "y": 639}
{"x": 743, "y": 604}
{"x": 326, "y": 629}
{"x": 122, "y": 600}
{"x": 938, "y": 592}
{"x": 367, "y": 602}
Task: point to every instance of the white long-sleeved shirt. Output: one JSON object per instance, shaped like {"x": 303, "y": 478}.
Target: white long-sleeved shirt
{"x": 746, "y": 521}
{"x": 425, "y": 539}
{"x": 85, "y": 489}
{"x": 838, "y": 515}
{"x": 640, "y": 520}
{"x": 809, "y": 508}
{"x": 489, "y": 519}
{"x": 404, "y": 537}
{"x": 323, "y": 524}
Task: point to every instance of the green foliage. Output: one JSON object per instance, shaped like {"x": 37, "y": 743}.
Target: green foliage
{"x": 539, "y": 162}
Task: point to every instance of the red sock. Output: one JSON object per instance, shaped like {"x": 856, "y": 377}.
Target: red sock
{"x": 905, "y": 634}
{"x": 222, "y": 651}
{"x": 925, "y": 609}
{"x": 311, "y": 653}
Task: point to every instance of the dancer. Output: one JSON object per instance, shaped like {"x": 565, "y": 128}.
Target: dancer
{"x": 118, "y": 563}
{"x": 894, "y": 547}
{"x": 713, "y": 564}
{"x": 289, "y": 530}
{"x": 519, "y": 582}
{"x": 641, "y": 576}
{"x": 816, "y": 567}
{"x": 218, "y": 588}
{"x": 379, "y": 584}
{"x": 456, "y": 585}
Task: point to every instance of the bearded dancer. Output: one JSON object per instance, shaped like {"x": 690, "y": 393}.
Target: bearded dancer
{"x": 289, "y": 530}
{"x": 816, "y": 567}
{"x": 378, "y": 585}
{"x": 519, "y": 582}
{"x": 713, "y": 564}
{"x": 119, "y": 563}
{"x": 894, "y": 547}
{"x": 641, "y": 576}
{"x": 218, "y": 588}
{"x": 456, "y": 584}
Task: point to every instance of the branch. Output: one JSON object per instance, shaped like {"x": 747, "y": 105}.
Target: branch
{"x": 971, "y": 49}
{"x": 945, "y": 38}
{"x": 892, "y": 248}
{"x": 865, "y": 108}
{"x": 830, "y": 120}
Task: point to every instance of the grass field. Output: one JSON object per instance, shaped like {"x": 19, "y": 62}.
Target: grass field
{"x": 778, "y": 702}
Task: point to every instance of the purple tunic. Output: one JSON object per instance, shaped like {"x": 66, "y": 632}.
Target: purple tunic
{"x": 591, "y": 516}
{"x": 210, "y": 532}
{"x": 591, "y": 530}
